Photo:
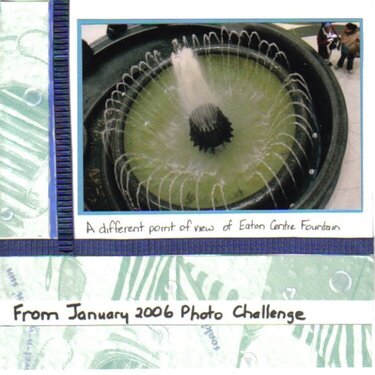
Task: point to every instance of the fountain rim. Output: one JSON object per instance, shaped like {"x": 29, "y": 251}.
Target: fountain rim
{"x": 338, "y": 140}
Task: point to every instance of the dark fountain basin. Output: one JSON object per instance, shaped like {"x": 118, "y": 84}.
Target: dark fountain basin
{"x": 307, "y": 175}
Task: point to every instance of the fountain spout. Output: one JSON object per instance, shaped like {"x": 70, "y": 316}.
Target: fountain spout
{"x": 209, "y": 127}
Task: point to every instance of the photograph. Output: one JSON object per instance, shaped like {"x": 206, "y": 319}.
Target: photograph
{"x": 217, "y": 116}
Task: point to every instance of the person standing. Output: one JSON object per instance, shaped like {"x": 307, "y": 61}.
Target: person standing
{"x": 327, "y": 41}
{"x": 349, "y": 46}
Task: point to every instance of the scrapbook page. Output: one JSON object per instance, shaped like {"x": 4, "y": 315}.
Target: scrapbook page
{"x": 185, "y": 188}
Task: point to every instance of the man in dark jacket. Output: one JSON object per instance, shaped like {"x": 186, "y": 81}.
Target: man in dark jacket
{"x": 327, "y": 41}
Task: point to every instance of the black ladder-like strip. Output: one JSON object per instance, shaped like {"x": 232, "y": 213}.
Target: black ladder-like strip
{"x": 60, "y": 76}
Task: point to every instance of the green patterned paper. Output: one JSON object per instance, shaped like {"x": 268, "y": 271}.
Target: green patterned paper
{"x": 186, "y": 278}
{"x": 24, "y": 116}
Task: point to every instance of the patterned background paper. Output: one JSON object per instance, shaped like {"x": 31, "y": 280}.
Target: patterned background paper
{"x": 186, "y": 278}
{"x": 24, "y": 119}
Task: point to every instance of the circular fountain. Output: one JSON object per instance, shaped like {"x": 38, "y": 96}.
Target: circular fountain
{"x": 212, "y": 119}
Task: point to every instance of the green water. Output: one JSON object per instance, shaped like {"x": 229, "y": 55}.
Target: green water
{"x": 164, "y": 159}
